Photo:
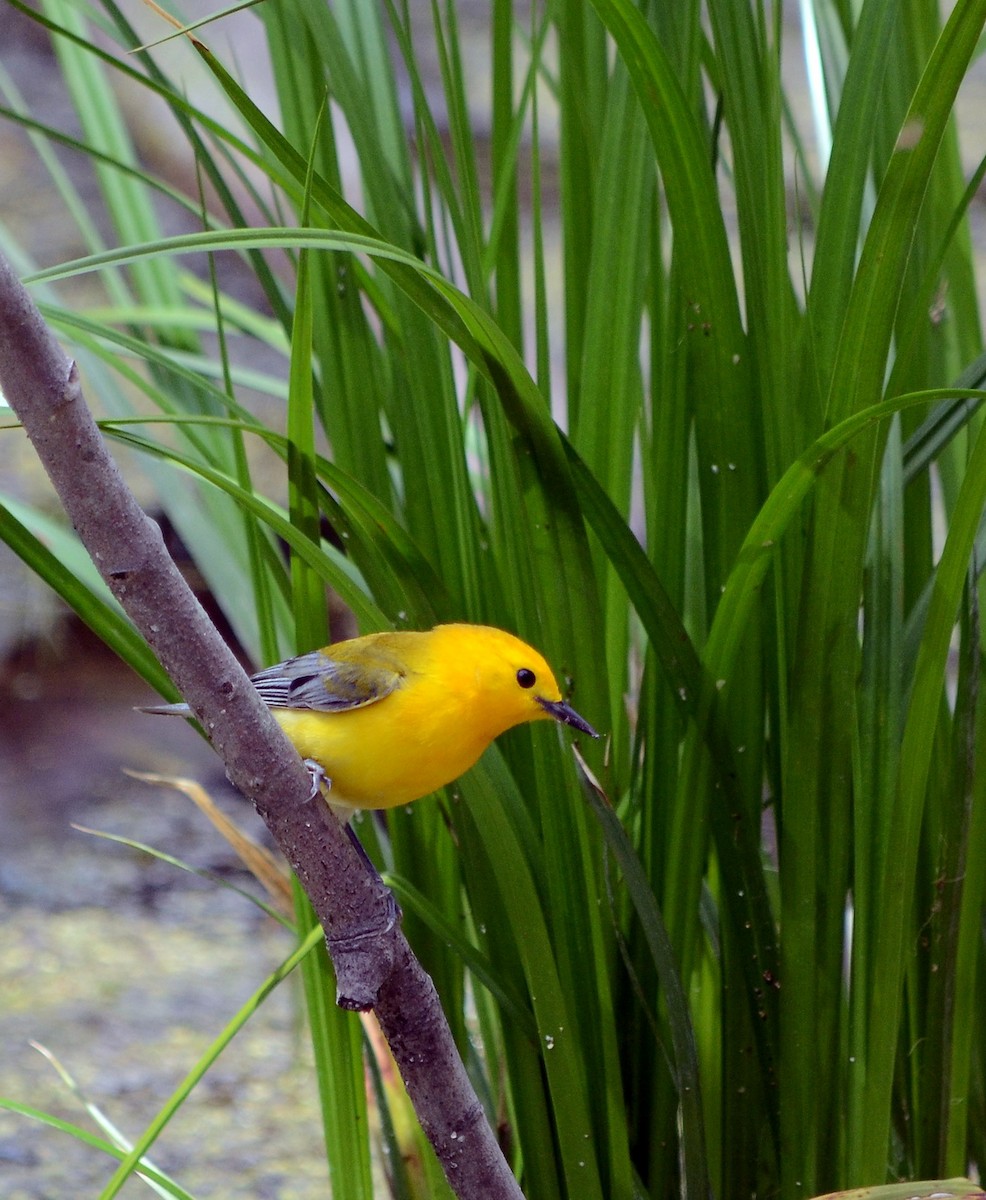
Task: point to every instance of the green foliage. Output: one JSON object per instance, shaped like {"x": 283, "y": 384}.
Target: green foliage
{"x": 756, "y": 973}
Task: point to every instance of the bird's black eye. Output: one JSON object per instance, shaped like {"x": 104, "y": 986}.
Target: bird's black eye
{"x": 526, "y": 678}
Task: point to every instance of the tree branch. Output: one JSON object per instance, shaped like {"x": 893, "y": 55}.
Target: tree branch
{"x": 373, "y": 970}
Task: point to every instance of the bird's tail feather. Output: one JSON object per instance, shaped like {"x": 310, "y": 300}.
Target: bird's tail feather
{"x": 165, "y": 710}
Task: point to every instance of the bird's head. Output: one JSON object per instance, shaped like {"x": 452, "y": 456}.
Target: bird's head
{"x": 514, "y": 682}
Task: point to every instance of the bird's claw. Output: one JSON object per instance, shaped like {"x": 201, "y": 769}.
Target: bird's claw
{"x": 318, "y": 776}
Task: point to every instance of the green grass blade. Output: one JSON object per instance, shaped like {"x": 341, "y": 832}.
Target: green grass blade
{"x": 60, "y": 561}
{"x": 162, "y": 1184}
{"x": 695, "y": 1178}
{"x": 915, "y": 764}
{"x": 130, "y": 1163}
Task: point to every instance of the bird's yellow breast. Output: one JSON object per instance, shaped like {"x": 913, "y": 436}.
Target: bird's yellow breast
{"x": 399, "y": 749}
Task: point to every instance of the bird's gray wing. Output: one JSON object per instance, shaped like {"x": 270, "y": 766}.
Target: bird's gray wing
{"x": 325, "y": 684}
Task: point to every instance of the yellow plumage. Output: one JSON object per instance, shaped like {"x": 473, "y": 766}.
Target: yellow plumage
{"x": 391, "y": 717}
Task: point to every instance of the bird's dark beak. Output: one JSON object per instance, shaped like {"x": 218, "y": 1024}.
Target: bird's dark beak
{"x": 566, "y": 714}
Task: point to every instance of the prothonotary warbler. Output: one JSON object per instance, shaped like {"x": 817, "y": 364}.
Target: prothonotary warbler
{"x": 391, "y": 717}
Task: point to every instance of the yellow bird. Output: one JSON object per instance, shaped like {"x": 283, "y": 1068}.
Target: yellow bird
{"x": 391, "y": 717}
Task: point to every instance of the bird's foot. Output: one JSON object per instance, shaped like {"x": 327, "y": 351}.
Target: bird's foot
{"x": 318, "y": 776}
